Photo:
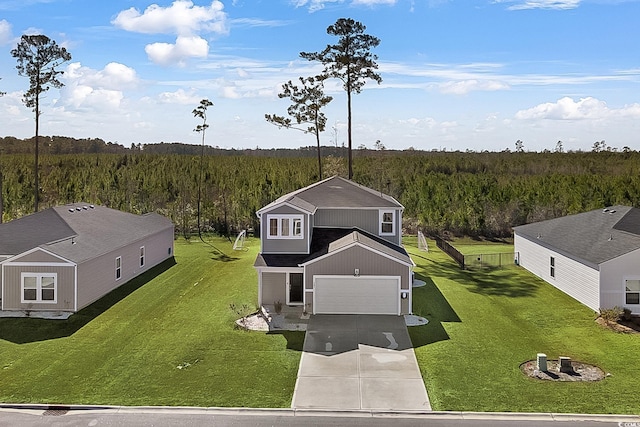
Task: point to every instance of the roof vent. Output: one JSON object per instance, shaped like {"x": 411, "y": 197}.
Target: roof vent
{"x": 78, "y": 209}
{"x": 539, "y": 236}
{"x": 91, "y": 206}
{"x": 72, "y": 210}
{"x": 605, "y": 210}
{"x": 612, "y": 211}
{"x": 610, "y": 237}
{"x": 85, "y": 208}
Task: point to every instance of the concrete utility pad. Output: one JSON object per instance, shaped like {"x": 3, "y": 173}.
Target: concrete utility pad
{"x": 359, "y": 362}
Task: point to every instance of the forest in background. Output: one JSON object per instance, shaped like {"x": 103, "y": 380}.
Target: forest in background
{"x": 475, "y": 194}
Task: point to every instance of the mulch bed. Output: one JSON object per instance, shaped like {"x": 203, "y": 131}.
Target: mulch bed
{"x": 581, "y": 371}
{"x": 621, "y": 326}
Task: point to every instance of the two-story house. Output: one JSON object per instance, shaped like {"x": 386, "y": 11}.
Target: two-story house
{"x": 334, "y": 247}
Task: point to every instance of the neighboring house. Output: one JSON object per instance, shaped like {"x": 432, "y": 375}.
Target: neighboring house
{"x": 66, "y": 257}
{"x": 593, "y": 256}
{"x": 334, "y": 247}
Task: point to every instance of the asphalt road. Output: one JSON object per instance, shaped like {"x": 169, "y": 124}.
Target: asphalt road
{"x": 186, "y": 417}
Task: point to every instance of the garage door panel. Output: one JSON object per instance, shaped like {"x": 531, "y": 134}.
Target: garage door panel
{"x": 356, "y": 295}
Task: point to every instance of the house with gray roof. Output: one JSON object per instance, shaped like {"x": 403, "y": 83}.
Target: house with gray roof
{"x": 593, "y": 256}
{"x": 64, "y": 258}
{"x": 334, "y": 247}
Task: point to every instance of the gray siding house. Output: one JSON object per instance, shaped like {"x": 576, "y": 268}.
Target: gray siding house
{"x": 66, "y": 257}
{"x": 593, "y": 256}
{"x": 334, "y": 247}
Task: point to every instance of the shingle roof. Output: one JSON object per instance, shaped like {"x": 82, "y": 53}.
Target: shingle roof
{"x": 95, "y": 230}
{"x": 31, "y": 231}
{"x": 327, "y": 240}
{"x": 592, "y": 237}
{"x": 335, "y": 192}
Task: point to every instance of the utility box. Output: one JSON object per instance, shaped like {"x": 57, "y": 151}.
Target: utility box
{"x": 565, "y": 364}
{"x": 541, "y": 362}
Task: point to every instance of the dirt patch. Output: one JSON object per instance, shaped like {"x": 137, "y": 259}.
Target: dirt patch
{"x": 621, "y": 326}
{"x": 581, "y": 371}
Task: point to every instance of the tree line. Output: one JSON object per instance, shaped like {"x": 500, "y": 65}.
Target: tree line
{"x": 476, "y": 194}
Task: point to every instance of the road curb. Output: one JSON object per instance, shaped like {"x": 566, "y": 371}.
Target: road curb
{"x": 38, "y": 409}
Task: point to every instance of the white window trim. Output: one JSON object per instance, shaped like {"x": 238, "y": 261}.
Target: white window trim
{"x": 39, "y": 277}
{"x": 143, "y": 255}
{"x": 118, "y": 268}
{"x": 292, "y": 218}
{"x": 624, "y": 283}
{"x": 393, "y": 222}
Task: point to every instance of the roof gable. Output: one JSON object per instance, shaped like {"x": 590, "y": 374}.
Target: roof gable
{"x": 595, "y": 237}
{"x": 28, "y": 232}
{"x": 335, "y": 192}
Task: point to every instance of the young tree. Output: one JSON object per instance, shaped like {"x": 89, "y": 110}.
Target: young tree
{"x": 38, "y": 57}
{"x": 351, "y": 61}
{"x": 306, "y": 102}
{"x": 201, "y": 112}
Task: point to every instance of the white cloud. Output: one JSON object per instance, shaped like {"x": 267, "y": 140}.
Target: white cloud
{"x": 184, "y": 48}
{"x": 466, "y": 86}
{"x": 373, "y": 2}
{"x": 541, "y": 4}
{"x": 316, "y": 5}
{"x": 180, "y": 96}
{"x": 113, "y": 76}
{"x": 181, "y": 18}
{"x": 5, "y": 32}
{"x": 99, "y": 90}
{"x": 585, "y": 109}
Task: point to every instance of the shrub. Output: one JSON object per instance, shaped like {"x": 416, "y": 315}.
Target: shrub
{"x": 626, "y": 315}
{"x": 611, "y": 314}
{"x": 278, "y": 307}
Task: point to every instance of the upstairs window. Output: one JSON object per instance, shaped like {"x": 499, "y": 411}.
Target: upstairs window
{"x": 285, "y": 226}
{"x": 632, "y": 291}
{"x": 39, "y": 287}
{"x": 387, "y": 223}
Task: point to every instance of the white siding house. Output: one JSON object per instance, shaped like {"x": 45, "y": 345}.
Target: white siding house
{"x": 594, "y": 257}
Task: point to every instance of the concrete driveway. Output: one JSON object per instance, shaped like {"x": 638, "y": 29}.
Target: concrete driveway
{"x": 354, "y": 362}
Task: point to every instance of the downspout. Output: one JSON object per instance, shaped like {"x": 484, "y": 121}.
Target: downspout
{"x": 75, "y": 280}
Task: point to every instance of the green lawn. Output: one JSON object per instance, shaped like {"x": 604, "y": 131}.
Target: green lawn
{"x": 484, "y": 324}
{"x": 468, "y": 246}
{"x": 125, "y": 349}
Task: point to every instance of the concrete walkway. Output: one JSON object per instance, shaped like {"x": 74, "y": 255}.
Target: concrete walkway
{"x": 356, "y": 362}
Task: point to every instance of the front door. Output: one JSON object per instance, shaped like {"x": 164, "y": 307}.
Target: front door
{"x": 296, "y": 288}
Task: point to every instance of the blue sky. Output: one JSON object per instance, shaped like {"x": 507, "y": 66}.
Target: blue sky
{"x": 457, "y": 75}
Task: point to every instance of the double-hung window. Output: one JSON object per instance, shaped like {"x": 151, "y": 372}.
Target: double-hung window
{"x": 118, "y": 268}
{"x": 141, "y": 256}
{"x": 632, "y": 291}
{"x": 285, "y": 226}
{"x": 387, "y": 223}
{"x": 39, "y": 287}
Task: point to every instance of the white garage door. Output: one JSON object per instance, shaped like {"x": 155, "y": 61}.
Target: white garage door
{"x": 356, "y": 295}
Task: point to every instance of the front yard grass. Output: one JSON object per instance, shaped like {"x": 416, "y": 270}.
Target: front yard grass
{"x": 126, "y": 348}
{"x": 485, "y": 323}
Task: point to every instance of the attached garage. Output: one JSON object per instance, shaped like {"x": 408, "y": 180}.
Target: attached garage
{"x": 356, "y": 295}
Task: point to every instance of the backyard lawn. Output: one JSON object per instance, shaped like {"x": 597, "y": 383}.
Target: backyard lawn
{"x": 170, "y": 341}
{"x": 485, "y": 323}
